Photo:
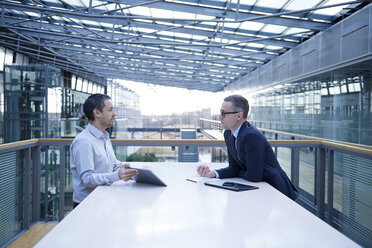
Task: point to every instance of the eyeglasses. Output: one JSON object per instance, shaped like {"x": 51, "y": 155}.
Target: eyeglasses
{"x": 223, "y": 113}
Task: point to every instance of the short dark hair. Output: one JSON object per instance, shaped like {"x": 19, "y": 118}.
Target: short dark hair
{"x": 95, "y": 101}
{"x": 239, "y": 103}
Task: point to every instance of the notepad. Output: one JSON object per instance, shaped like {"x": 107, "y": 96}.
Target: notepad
{"x": 231, "y": 186}
{"x": 201, "y": 179}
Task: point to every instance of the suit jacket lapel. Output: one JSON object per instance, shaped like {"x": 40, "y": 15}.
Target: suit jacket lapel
{"x": 238, "y": 146}
{"x": 232, "y": 141}
{"x": 235, "y": 152}
{"x": 238, "y": 141}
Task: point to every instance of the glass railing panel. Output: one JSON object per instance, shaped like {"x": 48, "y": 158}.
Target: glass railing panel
{"x": 284, "y": 159}
{"x": 353, "y": 196}
{"x": 170, "y": 153}
{"x": 49, "y": 182}
{"x": 68, "y": 185}
{"x": 146, "y": 153}
{"x": 212, "y": 154}
{"x": 307, "y": 170}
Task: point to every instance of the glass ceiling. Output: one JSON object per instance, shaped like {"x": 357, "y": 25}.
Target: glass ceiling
{"x": 193, "y": 44}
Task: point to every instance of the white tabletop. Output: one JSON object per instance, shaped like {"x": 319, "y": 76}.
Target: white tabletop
{"x": 187, "y": 214}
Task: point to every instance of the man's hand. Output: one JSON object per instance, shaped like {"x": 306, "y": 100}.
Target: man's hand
{"x": 204, "y": 171}
{"x": 125, "y": 173}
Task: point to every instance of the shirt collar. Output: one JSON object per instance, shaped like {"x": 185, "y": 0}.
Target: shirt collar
{"x": 236, "y": 132}
{"x": 96, "y": 132}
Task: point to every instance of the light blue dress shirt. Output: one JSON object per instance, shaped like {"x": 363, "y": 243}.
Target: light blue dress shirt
{"x": 92, "y": 161}
{"x": 235, "y": 133}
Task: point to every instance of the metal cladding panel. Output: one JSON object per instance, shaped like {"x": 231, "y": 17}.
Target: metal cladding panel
{"x": 251, "y": 83}
{"x": 330, "y": 43}
{"x": 237, "y": 85}
{"x": 264, "y": 75}
{"x": 283, "y": 66}
{"x": 356, "y": 196}
{"x": 254, "y": 79}
{"x": 241, "y": 84}
{"x": 274, "y": 70}
{"x": 370, "y": 30}
{"x": 355, "y": 35}
{"x": 347, "y": 40}
{"x": 296, "y": 61}
{"x": 8, "y": 197}
{"x": 310, "y": 55}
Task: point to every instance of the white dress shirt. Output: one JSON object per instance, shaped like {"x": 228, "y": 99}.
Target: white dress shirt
{"x": 93, "y": 162}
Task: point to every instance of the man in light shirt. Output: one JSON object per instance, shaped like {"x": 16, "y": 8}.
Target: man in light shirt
{"x": 92, "y": 158}
{"x": 250, "y": 154}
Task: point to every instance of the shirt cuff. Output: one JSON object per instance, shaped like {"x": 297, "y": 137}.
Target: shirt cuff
{"x": 217, "y": 175}
{"x": 113, "y": 176}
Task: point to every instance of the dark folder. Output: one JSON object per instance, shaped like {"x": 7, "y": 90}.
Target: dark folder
{"x": 230, "y": 185}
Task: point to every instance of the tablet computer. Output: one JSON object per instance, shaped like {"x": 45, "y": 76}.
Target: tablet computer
{"x": 147, "y": 176}
{"x": 231, "y": 185}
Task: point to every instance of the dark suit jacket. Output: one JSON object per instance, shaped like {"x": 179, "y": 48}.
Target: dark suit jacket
{"x": 255, "y": 160}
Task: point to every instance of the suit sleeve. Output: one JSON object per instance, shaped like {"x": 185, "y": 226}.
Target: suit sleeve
{"x": 254, "y": 152}
{"x": 233, "y": 169}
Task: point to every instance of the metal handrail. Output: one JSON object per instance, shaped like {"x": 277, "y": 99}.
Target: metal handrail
{"x": 14, "y": 146}
{"x": 325, "y": 143}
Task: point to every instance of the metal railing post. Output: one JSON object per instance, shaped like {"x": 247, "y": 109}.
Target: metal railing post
{"x": 180, "y": 149}
{"x": 293, "y": 160}
{"x": 61, "y": 199}
{"x": 36, "y": 184}
{"x": 295, "y": 167}
{"x": 26, "y": 186}
{"x": 330, "y": 158}
{"x": 46, "y": 182}
{"x": 320, "y": 183}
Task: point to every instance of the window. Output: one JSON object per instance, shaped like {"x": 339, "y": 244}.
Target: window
{"x": 79, "y": 83}
{"x": 85, "y": 85}
{"x": 2, "y": 58}
{"x": 73, "y": 82}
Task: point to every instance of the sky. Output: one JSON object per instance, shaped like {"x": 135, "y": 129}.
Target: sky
{"x": 162, "y": 100}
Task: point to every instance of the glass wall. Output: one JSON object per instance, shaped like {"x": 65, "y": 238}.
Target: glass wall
{"x": 128, "y": 114}
{"x": 7, "y": 57}
{"x": 31, "y": 105}
{"x": 334, "y": 106}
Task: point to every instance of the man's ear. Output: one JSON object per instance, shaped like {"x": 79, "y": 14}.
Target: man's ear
{"x": 96, "y": 113}
{"x": 240, "y": 115}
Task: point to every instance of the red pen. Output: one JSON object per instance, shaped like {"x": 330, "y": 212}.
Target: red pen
{"x": 191, "y": 180}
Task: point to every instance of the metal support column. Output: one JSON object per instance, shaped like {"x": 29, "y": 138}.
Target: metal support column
{"x": 330, "y": 158}
{"x": 295, "y": 167}
{"x": 36, "y": 184}
{"x": 61, "y": 200}
{"x": 26, "y": 186}
{"x": 46, "y": 182}
{"x": 320, "y": 183}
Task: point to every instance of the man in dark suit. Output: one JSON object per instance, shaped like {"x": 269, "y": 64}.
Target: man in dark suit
{"x": 250, "y": 154}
